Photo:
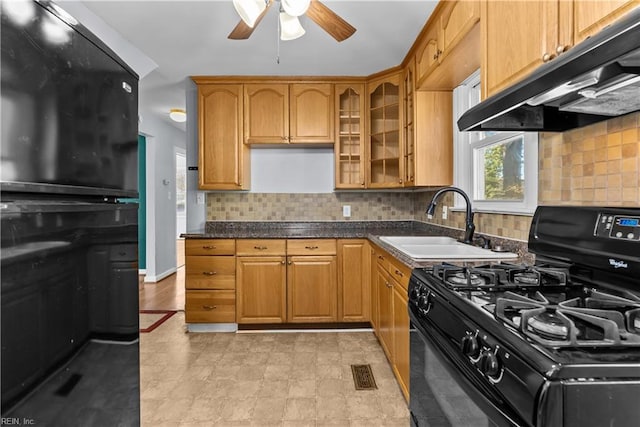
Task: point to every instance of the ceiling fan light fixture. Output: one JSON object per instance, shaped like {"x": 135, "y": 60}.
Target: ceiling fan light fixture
{"x": 290, "y": 28}
{"x": 295, "y": 7}
{"x": 178, "y": 115}
{"x": 249, "y": 10}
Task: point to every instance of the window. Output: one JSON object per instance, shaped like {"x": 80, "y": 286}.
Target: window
{"x": 498, "y": 170}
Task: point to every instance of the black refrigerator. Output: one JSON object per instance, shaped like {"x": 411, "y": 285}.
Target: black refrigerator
{"x": 68, "y": 211}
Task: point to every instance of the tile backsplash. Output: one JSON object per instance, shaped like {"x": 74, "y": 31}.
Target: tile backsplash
{"x": 365, "y": 206}
{"x": 593, "y": 165}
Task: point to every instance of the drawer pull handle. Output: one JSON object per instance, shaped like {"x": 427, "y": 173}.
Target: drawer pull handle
{"x": 311, "y": 247}
{"x": 209, "y": 247}
{"x": 209, "y": 307}
{"x": 209, "y": 273}
{"x": 260, "y": 248}
{"x": 380, "y": 257}
{"x": 122, "y": 253}
{"x": 399, "y": 273}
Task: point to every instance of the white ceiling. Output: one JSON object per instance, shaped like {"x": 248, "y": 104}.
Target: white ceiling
{"x": 186, "y": 38}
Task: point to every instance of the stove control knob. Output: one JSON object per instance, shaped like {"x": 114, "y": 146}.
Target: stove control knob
{"x": 470, "y": 345}
{"x": 490, "y": 364}
{"x": 414, "y": 294}
{"x": 424, "y": 302}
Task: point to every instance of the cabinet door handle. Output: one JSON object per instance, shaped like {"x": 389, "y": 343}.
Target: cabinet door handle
{"x": 561, "y": 48}
{"x": 388, "y": 284}
{"x": 282, "y": 262}
{"x": 311, "y": 247}
{"x": 209, "y": 307}
{"x": 209, "y": 247}
{"x": 260, "y": 248}
{"x": 399, "y": 273}
{"x": 289, "y": 263}
{"x": 209, "y": 273}
{"x": 546, "y": 57}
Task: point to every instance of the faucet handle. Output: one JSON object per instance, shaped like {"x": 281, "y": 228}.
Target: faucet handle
{"x": 483, "y": 242}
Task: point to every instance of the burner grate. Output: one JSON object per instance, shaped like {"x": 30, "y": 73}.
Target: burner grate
{"x": 575, "y": 322}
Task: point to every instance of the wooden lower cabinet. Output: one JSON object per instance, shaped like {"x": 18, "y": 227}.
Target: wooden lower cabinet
{"x": 312, "y": 289}
{"x": 261, "y": 289}
{"x": 384, "y": 293}
{"x": 354, "y": 295}
{"x": 210, "y": 281}
{"x": 389, "y": 308}
{"x": 400, "y": 334}
{"x": 217, "y": 306}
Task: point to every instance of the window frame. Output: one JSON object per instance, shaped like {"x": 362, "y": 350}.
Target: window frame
{"x": 464, "y": 97}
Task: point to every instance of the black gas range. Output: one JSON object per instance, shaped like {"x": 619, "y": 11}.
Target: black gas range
{"x": 553, "y": 344}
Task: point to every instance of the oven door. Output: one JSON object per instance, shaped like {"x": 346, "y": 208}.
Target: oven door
{"x": 444, "y": 390}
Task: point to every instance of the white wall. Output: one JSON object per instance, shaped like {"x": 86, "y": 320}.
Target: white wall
{"x": 196, "y": 213}
{"x": 162, "y": 142}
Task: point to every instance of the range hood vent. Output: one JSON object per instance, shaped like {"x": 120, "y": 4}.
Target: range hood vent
{"x": 596, "y": 80}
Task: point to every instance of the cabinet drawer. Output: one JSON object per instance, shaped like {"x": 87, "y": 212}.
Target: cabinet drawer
{"x": 311, "y": 247}
{"x": 210, "y": 306}
{"x": 210, "y": 247}
{"x": 124, "y": 252}
{"x": 210, "y": 272}
{"x": 399, "y": 272}
{"x": 261, "y": 247}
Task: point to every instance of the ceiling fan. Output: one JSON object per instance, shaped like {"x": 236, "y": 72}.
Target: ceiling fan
{"x": 252, "y": 12}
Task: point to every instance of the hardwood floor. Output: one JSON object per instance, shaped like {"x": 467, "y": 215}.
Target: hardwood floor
{"x": 167, "y": 294}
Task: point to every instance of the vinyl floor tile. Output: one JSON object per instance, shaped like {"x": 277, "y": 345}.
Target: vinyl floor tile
{"x": 264, "y": 379}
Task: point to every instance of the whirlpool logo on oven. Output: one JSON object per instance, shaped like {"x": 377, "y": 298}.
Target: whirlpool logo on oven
{"x": 618, "y": 264}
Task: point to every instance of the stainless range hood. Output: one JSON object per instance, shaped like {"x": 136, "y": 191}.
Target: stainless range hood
{"x": 596, "y": 80}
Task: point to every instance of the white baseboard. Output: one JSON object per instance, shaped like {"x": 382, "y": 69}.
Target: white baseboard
{"x": 142, "y": 272}
{"x": 158, "y": 277}
{"x": 212, "y": 327}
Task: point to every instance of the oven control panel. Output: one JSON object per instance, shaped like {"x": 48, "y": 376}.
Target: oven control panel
{"x": 618, "y": 227}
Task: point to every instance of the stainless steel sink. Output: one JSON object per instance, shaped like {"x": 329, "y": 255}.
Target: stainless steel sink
{"x": 442, "y": 248}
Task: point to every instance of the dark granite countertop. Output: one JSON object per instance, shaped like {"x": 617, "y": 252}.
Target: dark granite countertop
{"x": 371, "y": 230}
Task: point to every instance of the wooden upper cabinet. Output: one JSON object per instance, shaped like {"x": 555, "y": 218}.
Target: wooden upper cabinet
{"x": 311, "y": 116}
{"x": 223, "y": 162}
{"x": 385, "y": 133}
{"x": 266, "y": 113}
{"x": 288, "y": 113}
{"x": 552, "y": 28}
{"x": 517, "y": 37}
{"x": 434, "y": 138}
{"x": 457, "y": 20}
{"x": 591, "y": 16}
{"x": 428, "y": 52}
{"x": 350, "y": 141}
{"x": 449, "y": 50}
{"x": 408, "y": 125}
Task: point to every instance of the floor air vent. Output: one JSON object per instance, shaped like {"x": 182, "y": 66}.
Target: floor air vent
{"x": 363, "y": 377}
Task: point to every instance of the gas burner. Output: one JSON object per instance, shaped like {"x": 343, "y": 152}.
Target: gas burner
{"x": 549, "y": 324}
{"x": 527, "y": 278}
{"x": 593, "y": 319}
{"x": 460, "y": 278}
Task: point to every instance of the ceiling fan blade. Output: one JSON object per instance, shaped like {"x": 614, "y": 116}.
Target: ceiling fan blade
{"x": 327, "y": 19}
{"x": 242, "y": 31}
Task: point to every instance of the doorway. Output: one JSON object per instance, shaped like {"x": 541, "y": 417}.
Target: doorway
{"x": 181, "y": 204}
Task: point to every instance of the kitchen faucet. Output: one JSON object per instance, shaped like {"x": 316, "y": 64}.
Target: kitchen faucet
{"x": 469, "y": 226}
